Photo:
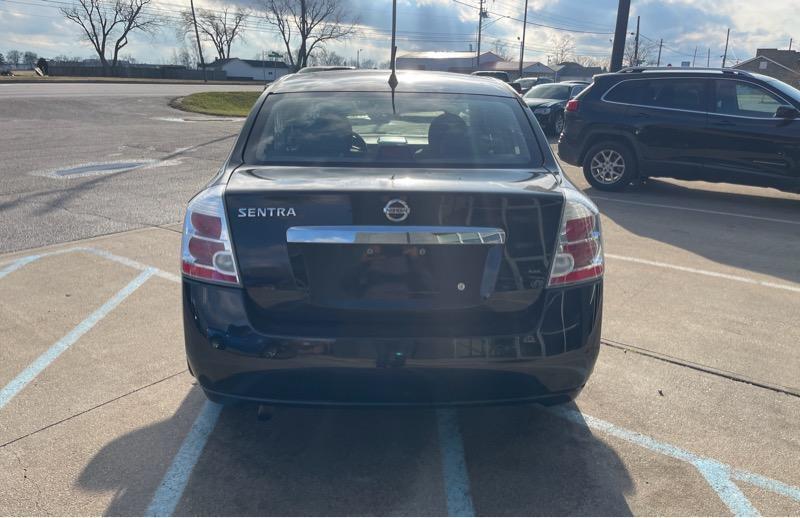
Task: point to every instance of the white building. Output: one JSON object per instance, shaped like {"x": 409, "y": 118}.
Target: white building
{"x": 251, "y": 69}
{"x": 529, "y": 69}
{"x": 464, "y": 62}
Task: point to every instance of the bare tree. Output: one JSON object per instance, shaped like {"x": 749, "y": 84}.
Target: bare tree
{"x": 185, "y": 58}
{"x": 502, "y": 49}
{"x": 308, "y": 25}
{"x": 29, "y": 58}
{"x": 14, "y": 56}
{"x": 2, "y": 59}
{"x": 645, "y": 55}
{"x": 63, "y": 58}
{"x": 591, "y": 61}
{"x": 325, "y": 57}
{"x": 108, "y": 23}
{"x": 563, "y": 48}
{"x": 222, "y": 28}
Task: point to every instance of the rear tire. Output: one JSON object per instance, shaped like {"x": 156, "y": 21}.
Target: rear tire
{"x": 610, "y": 166}
{"x": 558, "y": 124}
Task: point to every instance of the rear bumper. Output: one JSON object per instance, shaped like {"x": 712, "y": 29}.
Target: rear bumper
{"x": 569, "y": 149}
{"x": 549, "y": 364}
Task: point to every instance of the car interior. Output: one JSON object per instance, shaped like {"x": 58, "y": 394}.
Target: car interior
{"x": 479, "y": 132}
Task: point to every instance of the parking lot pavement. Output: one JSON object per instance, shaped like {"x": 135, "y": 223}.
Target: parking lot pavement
{"x": 693, "y": 407}
{"x": 49, "y": 130}
{"x": 112, "y": 423}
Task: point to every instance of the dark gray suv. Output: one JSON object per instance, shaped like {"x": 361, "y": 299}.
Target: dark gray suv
{"x": 718, "y": 125}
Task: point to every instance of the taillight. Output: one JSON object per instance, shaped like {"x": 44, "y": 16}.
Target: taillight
{"x": 579, "y": 255}
{"x": 206, "y": 251}
{"x": 573, "y": 105}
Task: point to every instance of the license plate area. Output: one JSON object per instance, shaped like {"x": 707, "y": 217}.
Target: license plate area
{"x": 377, "y": 276}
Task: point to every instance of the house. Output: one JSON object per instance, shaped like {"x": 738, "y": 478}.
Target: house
{"x": 780, "y": 64}
{"x": 529, "y": 69}
{"x": 571, "y": 71}
{"x": 246, "y": 69}
{"x": 464, "y": 62}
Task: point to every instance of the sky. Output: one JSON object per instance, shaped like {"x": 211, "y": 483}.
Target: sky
{"x": 684, "y": 25}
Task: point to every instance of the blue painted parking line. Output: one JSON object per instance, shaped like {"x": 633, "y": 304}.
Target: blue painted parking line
{"x": 55, "y": 350}
{"x": 454, "y": 465}
{"x": 169, "y": 492}
{"x": 23, "y": 261}
{"x": 16, "y": 265}
{"x": 719, "y": 476}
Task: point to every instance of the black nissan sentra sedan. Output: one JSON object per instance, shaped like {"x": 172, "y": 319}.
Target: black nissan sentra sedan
{"x": 364, "y": 246}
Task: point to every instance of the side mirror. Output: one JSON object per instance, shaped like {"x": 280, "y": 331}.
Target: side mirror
{"x": 787, "y": 112}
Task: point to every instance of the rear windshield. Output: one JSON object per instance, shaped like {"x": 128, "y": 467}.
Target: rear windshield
{"x": 363, "y": 129}
{"x": 559, "y": 92}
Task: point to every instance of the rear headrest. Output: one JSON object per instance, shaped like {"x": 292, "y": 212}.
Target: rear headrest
{"x": 329, "y": 134}
{"x": 448, "y": 135}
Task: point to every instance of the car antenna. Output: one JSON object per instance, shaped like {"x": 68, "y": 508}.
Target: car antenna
{"x": 393, "y": 76}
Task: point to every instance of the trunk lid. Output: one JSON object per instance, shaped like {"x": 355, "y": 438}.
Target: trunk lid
{"x": 329, "y": 252}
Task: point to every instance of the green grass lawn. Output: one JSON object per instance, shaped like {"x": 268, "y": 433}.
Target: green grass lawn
{"x": 232, "y": 104}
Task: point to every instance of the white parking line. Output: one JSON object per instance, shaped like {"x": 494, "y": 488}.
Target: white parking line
{"x": 703, "y": 211}
{"x": 169, "y": 492}
{"x": 708, "y": 273}
{"x": 719, "y": 476}
{"x": 55, "y": 350}
{"x": 454, "y": 465}
{"x": 19, "y": 263}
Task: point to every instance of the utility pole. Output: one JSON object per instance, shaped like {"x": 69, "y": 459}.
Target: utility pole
{"x": 620, "y": 33}
{"x": 636, "y": 48}
{"x": 522, "y": 46}
{"x": 694, "y": 57}
{"x": 791, "y": 40}
{"x": 708, "y": 63}
{"x": 481, "y": 14}
{"x": 661, "y": 44}
{"x": 725, "y": 55}
{"x": 358, "y": 58}
{"x": 199, "y": 47}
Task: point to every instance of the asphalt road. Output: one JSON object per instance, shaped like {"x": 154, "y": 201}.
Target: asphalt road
{"x": 693, "y": 408}
{"x": 44, "y": 127}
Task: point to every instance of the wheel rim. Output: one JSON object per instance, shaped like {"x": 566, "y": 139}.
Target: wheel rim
{"x": 560, "y": 124}
{"x": 607, "y": 166}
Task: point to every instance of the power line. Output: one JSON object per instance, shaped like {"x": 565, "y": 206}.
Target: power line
{"x": 563, "y": 20}
{"x": 532, "y": 23}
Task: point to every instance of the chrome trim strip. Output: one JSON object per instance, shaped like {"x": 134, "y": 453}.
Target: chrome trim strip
{"x": 396, "y": 235}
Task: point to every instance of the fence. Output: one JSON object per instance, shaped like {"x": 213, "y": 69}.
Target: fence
{"x": 133, "y": 71}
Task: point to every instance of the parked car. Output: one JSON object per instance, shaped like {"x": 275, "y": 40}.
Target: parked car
{"x": 547, "y": 101}
{"x": 715, "y": 125}
{"x": 436, "y": 256}
{"x": 524, "y": 84}
{"x": 497, "y": 74}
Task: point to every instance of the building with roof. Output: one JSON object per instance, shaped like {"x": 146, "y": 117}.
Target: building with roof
{"x": 250, "y": 69}
{"x": 464, "y": 62}
{"x": 529, "y": 69}
{"x": 571, "y": 71}
{"x": 780, "y": 64}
